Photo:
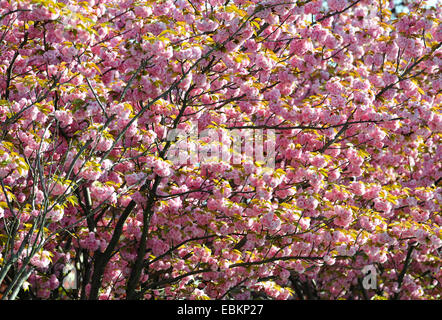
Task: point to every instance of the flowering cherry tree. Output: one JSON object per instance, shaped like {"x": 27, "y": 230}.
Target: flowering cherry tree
{"x": 93, "y": 207}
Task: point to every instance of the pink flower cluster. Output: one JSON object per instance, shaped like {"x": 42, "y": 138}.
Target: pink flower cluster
{"x": 91, "y": 94}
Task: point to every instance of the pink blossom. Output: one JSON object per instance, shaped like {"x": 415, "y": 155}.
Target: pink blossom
{"x": 90, "y": 94}
{"x": 135, "y": 178}
{"x": 300, "y": 47}
{"x": 143, "y": 11}
{"x": 64, "y": 117}
{"x": 337, "y": 5}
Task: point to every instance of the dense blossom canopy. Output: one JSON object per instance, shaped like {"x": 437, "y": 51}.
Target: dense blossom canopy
{"x": 91, "y": 89}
